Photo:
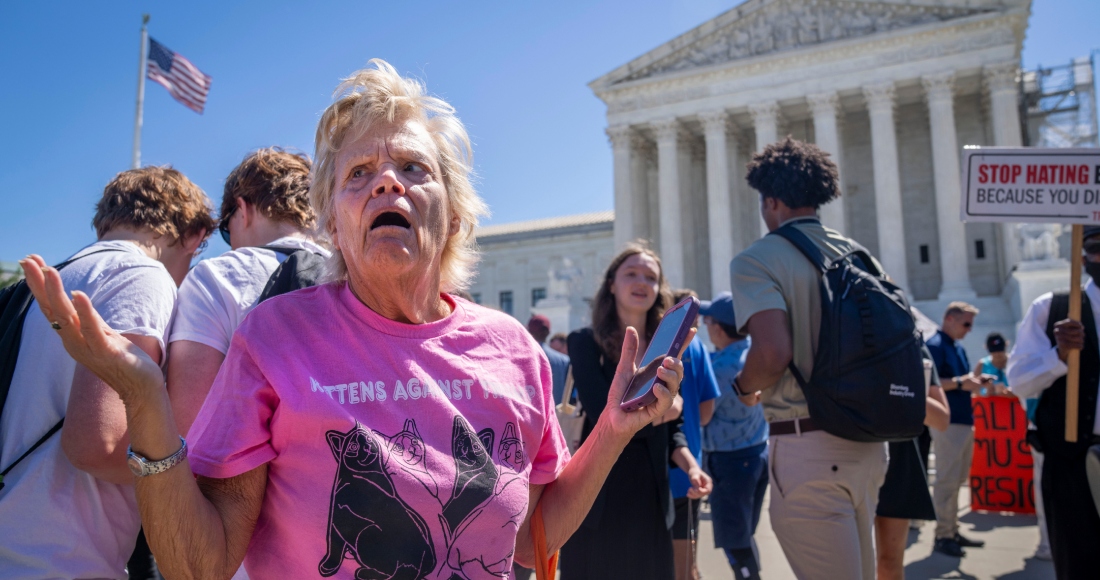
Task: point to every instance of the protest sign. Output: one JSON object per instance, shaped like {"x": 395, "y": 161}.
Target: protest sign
{"x": 1002, "y": 184}
{"x": 1022, "y": 184}
{"x": 1001, "y": 470}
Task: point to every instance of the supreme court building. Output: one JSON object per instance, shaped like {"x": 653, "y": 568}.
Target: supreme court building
{"x": 892, "y": 89}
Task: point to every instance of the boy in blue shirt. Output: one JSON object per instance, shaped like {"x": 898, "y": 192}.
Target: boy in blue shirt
{"x": 736, "y": 444}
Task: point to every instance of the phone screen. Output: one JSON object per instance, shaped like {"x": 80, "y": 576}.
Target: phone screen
{"x": 658, "y": 350}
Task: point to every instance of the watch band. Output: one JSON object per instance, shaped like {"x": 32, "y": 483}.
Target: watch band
{"x": 142, "y": 467}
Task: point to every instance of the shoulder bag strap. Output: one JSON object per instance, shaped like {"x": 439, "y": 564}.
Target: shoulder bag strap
{"x": 546, "y": 565}
{"x": 36, "y": 445}
{"x": 12, "y": 336}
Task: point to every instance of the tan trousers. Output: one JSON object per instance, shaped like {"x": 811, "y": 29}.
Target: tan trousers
{"x": 954, "y": 450}
{"x": 823, "y": 498}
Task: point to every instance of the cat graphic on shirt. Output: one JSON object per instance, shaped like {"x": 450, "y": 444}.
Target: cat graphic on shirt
{"x": 472, "y": 556}
{"x": 368, "y": 520}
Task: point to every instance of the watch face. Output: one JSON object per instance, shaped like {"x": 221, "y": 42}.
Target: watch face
{"x": 136, "y": 466}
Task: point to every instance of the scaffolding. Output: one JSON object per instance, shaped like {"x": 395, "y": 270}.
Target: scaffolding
{"x": 1059, "y": 105}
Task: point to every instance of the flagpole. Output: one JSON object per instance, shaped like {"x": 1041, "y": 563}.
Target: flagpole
{"x": 143, "y": 59}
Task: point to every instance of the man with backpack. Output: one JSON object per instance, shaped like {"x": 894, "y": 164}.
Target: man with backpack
{"x": 67, "y": 505}
{"x": 267, "y": 221}
{"x": 824, "y": 487}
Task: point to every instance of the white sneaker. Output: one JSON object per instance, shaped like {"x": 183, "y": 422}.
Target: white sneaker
{"x": 1043, "y": 553}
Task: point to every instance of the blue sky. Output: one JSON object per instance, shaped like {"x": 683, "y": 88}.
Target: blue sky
{"x": 517, "y": 72}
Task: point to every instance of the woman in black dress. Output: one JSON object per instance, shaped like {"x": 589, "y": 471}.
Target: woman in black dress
{"x": 627, "y": 533}
{"x": 904, "y": 494}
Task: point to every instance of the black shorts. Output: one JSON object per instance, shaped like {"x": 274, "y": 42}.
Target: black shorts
{"x": 905, "y": 494}
{"x": 680, "y": 527}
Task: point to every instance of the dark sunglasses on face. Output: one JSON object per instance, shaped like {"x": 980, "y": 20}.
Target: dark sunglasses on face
{"x": 968, "y": 324}
{"x": 223, "y": 227}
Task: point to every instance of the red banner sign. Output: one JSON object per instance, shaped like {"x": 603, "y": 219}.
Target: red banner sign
{"x": 1001, "y": 472}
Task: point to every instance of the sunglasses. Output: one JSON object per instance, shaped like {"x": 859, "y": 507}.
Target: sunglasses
{"x": 223, "y": 227}
{"x": 968, "y": 324}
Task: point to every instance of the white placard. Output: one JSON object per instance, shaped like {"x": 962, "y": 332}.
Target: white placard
{"x": 1023, "y": 184}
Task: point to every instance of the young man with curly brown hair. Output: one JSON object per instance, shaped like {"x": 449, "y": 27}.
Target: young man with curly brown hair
{"x": 67, "y": 509}
{"x": 265, "y": 208}
{"x": 824, "y": 488}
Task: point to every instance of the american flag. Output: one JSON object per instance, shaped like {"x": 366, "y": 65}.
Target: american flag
{"x": 186, "y": 83}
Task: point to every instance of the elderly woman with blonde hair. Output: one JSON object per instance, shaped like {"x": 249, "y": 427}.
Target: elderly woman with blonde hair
{"x": 375, "y": 426}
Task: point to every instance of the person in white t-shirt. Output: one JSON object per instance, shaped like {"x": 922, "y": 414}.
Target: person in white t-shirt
{"x": 265, "y": 205}
{"x": 68, "y": 509}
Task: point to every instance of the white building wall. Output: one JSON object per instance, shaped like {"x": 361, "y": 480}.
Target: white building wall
{"x": 521, "y": 265}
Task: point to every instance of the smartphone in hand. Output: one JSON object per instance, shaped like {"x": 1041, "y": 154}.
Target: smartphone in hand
{"x": 666, "y": 342}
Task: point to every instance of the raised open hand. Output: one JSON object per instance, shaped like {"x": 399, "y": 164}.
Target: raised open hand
{"x": 671, "y": 372}
{"x": 114, "y": 359}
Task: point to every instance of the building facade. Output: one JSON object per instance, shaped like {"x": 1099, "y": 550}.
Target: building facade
{"x": 550, "y": 266}
{"x": 892, "y": 90}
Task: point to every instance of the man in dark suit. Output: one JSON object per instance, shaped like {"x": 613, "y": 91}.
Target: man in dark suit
{"x": 1037, "y": 368}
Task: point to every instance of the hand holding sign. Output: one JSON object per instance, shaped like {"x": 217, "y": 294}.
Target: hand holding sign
{"x": 1041, "y": 185}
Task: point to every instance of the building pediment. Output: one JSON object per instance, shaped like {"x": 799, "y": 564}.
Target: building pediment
{"x": 762, "y": 27}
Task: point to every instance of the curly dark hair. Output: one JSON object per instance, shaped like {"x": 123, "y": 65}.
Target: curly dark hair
{"x": 606, "y": 325}
{"x": 276, "y": 182}
{"x": 796, "y": 173}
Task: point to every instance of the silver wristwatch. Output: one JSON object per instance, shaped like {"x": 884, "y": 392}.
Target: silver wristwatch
{"x": 141, "y": 466}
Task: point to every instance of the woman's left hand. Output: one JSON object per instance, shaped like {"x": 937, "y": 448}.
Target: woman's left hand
{"x": 701, "y": 484}
{"x": 671, "y": 372}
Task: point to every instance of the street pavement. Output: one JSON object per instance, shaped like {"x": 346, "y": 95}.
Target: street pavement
{"x": 1008, "y": 553}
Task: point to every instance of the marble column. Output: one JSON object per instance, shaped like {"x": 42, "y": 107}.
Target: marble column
{"x": 668, "y": 185}
{"x": 720, "y": 225}
{"x": 765, "y": 121}
{"x": 889, "y": 217}
{"x": 954, "y": 268}
{"x": 1005, "y": 113}
{"x": 825, "y": 107}
{"x": 621, "y": 138}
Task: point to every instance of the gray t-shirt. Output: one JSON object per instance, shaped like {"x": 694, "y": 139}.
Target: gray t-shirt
{"x": 772, "y": 274}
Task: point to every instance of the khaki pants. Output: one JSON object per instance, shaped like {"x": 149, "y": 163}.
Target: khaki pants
{"x": 824, "y": 493}
{"x": 954, "y": 449}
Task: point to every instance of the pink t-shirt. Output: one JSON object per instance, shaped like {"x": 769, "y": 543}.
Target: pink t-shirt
{"x": 401, "y": 451}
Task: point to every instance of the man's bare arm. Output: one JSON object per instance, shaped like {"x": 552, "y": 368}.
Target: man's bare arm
{"x": 192, "y": 367}
{"x": 94, "y": 437}
{"x": 770, "y": 353}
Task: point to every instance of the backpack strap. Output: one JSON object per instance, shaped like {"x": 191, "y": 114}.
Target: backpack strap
{"x": 808, "y": 248}
{"x": 302, "y": 268}
{"x": 11, "y": 335}
{"x": 803, "y": 243}
{"x": 280, "y": 250}
{"x": 36, "y": 445}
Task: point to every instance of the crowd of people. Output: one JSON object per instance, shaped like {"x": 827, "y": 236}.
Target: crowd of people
{"x": 322, "y": 399}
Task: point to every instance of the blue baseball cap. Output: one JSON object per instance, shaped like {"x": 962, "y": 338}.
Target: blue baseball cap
{"x": 720, "y": 309}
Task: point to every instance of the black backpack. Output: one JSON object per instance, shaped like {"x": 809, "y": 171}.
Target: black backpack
{"x": 301, "y": 269}
{"x": 868, "y": 377}
{"x": 15, "y": 300}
